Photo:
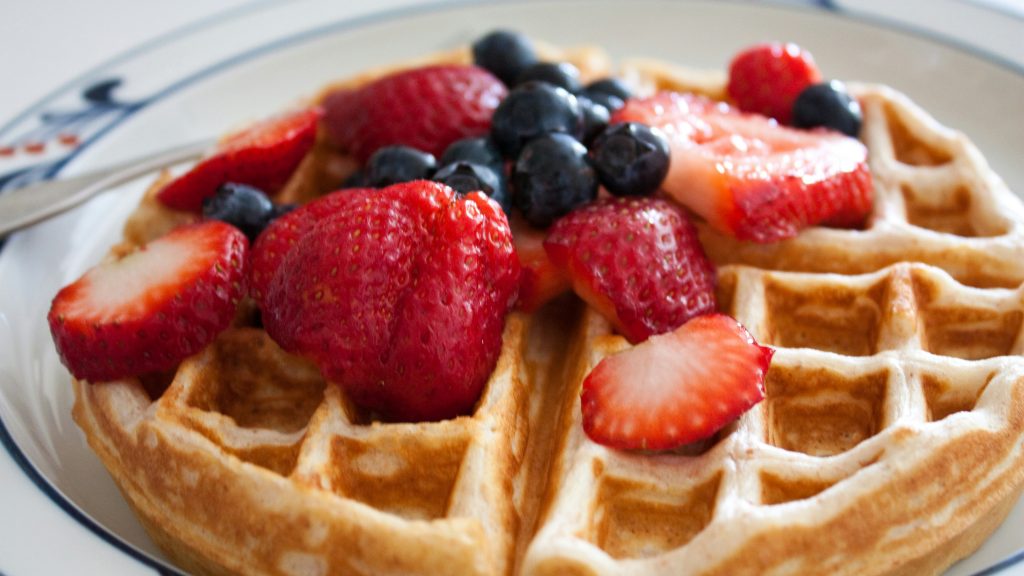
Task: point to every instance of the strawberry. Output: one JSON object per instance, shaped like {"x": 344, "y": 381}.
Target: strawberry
{"x": 426, "y": 108}
{"x": 264, "y": 156}
{"x": 636, "y": 260}
{"x": 277, "y": 239}
{"x": 675, "y": 388}
{"x": 400, "y": 298}
{"x": 767, "y": 78}
{"x": 152, "y": 308}
{"x": 540, "y": 280}
{"x": 748, "y": 176}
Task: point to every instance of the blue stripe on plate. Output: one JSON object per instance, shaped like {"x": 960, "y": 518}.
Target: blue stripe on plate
{"x": 439, "y": 6}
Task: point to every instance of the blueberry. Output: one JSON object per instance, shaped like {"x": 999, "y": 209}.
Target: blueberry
{"x": 595, "y": 117}
{"x": 466, "y": 177}
{"x": 476, "y": 150}
{"x": 611, "y": 93}
{"x": 552, "y": 177}
{"x": 505, "y": 54}
{"x": 561, "y": 74}
{"x": 631, "y": 159}
{"x": 393, "y": 164}
{"x": 827, "y": 104}
{"x": 281, "y": 210}
{"x": 244, "y": 207}
{"x": 533, "y": 109}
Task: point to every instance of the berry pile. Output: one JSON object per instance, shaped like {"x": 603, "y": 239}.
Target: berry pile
{"x": 414, "y": 264}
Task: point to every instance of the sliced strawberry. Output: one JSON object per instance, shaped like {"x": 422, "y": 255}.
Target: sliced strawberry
{"x": 751, "y": 178}
{"x": 265, "y": 155}
{"x": 767, "y": 78}
{"x": 636, "y": 260}
{"x": 426, "y": 108}
{"x": 278, "y": 238}
{"x": 400, "y": 298}
{"x": 675, "y": 388}
{"x": 152, "y": 308}
{"x": 540, "y": 280}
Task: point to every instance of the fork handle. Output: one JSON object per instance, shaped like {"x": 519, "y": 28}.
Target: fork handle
{"x": 26, "y": 206}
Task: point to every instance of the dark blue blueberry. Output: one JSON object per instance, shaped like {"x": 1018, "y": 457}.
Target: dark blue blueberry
{"x": 281, "y": 210}
{"x": 552, "y": 177}
{"x": 631, "y": 159}
{"x": 595, "y": 117}
{"x": 827, "y": 104}
{"x": 505, "y": 54}
{"x": 533, "y": 109}
{"x": 356, "y": 179}
{"x": 611, "y": 93}
{"x": 394, "y": 164}
{"x": 477, "y": 150}
{"x": 244, "y": 207}
{"x": 561, "y": 74}
{"x": 466, "y": 177}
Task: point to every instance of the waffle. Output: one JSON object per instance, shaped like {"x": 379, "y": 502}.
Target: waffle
{"x": 890, "y": 440}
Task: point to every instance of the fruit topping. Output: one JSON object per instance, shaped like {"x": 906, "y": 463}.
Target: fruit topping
{"x": 152, "y": 308}
{"x": 638, "y": 261}
{"x": 466, "y": 177}
{"x": 505, "y": 54}
{"x": 595, "y": 117}
{"x": 748, "y": 176}
{"x": 540, "y": 280}
{"x": 425, "y": 108}
{"x": 551, "y": 178}
{"x": 766, "y": 78}
{"x": 481, "y": 150}
{"x": 828, "y": 105}
{"x": 400, "y": 297}
{"x": 244, "y": 207}
{"x": 631, "y": 159}
{"x": 531, "y": 110}
{"x": 265, "y": 155}
{"x": 611, "y": 93}
{"x": 280, "y": 235}
{"x": 561, "y": 74}
{"x": 675, "y": 388}
{"x": 394, "y": 164}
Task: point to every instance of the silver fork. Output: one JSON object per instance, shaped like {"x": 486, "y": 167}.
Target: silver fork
{"x": 23, "y": 207}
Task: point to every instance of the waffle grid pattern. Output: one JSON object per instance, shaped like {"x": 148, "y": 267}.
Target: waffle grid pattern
{"x": 886, "y": 377}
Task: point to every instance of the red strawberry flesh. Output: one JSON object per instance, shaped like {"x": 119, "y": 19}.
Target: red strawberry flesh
{"x": 767, "y": 78}
{"x": 152, "y": 308}
{"x": 400, "y": 298}
{"x": 636, "y": 260}
{"x": 751, "y": 178}
{"x": 540, "y": 280}
{"x": 264, "y": 155}
{"x": 675, "y": 388}
{"x": 426, "y": 108}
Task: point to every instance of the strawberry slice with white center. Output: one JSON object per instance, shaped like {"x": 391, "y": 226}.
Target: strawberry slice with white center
{"x": 675, "y": 388}
{"x": 264, "y": 156}
{"x": 152, "y": 308}
{"x": 750, "y": 177}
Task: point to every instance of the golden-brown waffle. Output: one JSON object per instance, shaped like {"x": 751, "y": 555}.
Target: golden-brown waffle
{"x": 890, "y": 440}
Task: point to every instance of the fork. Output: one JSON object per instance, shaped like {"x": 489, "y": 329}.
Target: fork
{"x": 26, "y": 206}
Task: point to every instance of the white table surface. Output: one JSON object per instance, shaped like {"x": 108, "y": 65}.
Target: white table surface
{"x": 44, "y": 44}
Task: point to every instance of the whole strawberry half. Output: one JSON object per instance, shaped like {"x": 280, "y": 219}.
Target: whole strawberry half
{"x": 636, "y": 260}
{"x": 751, "y": 178}
{"x": 426, "y": 108}
{"x": 400, "y": 298}
{"x": 152, "y": 308}
{"x": 281, "y": 234}
{"x": 767, "y": 78}
{"x": 675, "y": 388}
{"x": 264, "y": 155}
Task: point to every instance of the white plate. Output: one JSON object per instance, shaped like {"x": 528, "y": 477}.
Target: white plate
{"x": 230, "y": 70}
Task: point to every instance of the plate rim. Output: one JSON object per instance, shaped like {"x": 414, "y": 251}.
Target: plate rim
{"x": 839, "y": 9}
